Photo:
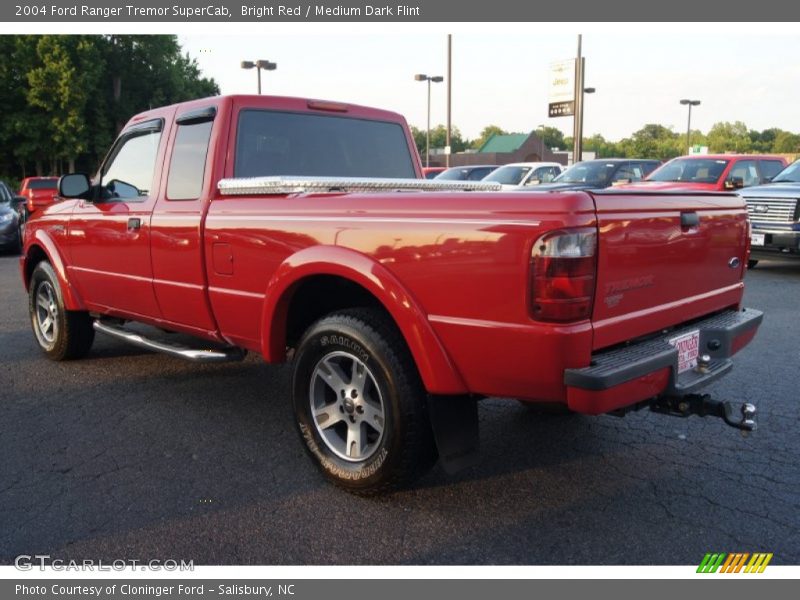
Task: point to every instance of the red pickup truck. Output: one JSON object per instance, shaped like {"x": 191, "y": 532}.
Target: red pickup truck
{"x": 302, "y": 230}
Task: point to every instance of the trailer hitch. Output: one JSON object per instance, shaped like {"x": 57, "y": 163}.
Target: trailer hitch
{"x": 741, "y": 416}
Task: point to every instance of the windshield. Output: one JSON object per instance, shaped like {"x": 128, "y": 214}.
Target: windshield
{"x": 594, "y": 172}
{"x": 790, "y": 174}
{"x": 509, "y": 175}
{"x": 696, "y": 170}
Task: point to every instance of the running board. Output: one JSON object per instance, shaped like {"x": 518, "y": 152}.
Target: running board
{"x": 200, "y": 355}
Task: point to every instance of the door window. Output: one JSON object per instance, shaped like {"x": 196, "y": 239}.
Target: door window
{"x": 188, "y": 163}
{"x": 129, "y": 174}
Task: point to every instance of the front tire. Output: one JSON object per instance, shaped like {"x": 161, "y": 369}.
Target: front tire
{"x": 359, "y": 404}
{"x": 751, "y": 264}
{"x": 61, "y": 334}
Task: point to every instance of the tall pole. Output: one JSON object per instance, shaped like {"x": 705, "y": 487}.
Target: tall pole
{"x": 258, "y": 70}
{"x": 428, "y": 133}
{"x": 690, "y": 104}
{"x": 449, "y": 91}
{"x": 577, "y": 129}
{"x": 689, "y": 131}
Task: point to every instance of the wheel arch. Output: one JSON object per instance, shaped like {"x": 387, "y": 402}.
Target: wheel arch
{"x": 40, "y": 248}
{"x": 342, "y": 277}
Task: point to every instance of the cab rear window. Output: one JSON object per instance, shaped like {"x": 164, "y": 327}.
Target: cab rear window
{"x": 281, "y": 143}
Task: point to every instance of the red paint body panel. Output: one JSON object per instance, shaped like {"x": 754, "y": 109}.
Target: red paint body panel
{"x": 653, "y": 273}
{"x": 451, "y": 268}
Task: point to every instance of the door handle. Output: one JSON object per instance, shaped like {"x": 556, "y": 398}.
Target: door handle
{"x": 689, "y": 219}
{"x": 134, "y": 224}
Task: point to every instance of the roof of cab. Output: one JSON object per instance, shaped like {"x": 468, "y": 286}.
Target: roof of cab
{"x": 281, "y": 103}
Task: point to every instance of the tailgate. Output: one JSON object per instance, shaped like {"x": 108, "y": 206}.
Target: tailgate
{"x": 664, "y": 259}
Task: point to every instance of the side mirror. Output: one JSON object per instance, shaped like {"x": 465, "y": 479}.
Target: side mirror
{"x": 734, "y": 183}
{"x": 74, "y": 185}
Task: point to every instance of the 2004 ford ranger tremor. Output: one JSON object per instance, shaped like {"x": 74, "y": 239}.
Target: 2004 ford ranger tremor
{"x": 302, "y": 229}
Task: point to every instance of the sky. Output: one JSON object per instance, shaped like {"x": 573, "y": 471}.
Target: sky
{"x": 501, "y": 78}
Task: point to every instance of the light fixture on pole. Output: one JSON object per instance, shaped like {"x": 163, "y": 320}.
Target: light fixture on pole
{"x": 258, "y": 65}
{"x": 690, "y": 104}
{"x": 434, "y": 79}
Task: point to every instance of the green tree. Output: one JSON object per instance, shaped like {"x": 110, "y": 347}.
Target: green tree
{"x": 485, "y": 134}
{"x": 729, "y": 137}
{"x": 439, "y": 139}
{"x": 69, "y": 68}
{"x": 786, "y": 142}
{"x": 552, "y": 137}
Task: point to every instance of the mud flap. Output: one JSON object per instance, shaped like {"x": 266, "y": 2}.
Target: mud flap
{"x": 454, "y": 420}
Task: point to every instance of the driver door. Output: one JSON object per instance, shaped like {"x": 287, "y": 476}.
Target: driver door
{"x": 109, "y": 237}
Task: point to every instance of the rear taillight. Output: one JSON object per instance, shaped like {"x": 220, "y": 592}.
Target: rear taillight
{"x": 563, "y": 268}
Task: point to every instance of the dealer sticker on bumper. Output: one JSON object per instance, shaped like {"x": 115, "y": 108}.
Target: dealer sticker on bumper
{"x": 688, "y": 346}
{"x": 756, "y": 239}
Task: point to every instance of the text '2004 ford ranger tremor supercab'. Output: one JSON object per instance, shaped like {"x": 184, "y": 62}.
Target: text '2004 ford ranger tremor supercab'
{"x": 302, "y": 230}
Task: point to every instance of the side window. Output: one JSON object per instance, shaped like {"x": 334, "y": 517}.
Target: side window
{"x": 478, "y": 174}
{"x": 770, "y": 168}
{"x": 5, "y": 196}
{"x": 637, "y": 171}
{"x": 188, "y": 164}
{"x": 624, "y": 173}
{"x": 129, "y": 174}
{"x": 648, "y": 168}
{"x": 746, "y": 171}
{"x": 544, "y": 174}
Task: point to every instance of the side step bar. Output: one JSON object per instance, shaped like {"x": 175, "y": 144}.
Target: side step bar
{"x": 193, "y": 354}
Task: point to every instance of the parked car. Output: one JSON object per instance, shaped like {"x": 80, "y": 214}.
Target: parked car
{"x": 600, "y": 174}
{"x": 516, "y": 175}
{"x": 267, "y": 225}
{"x": 431, "y": 172}
{"x": 39, "y": 192}
{"x": 712, "y": 172}
{"x": 774, "y": 211}
{"x": 11, "y": 222}
{"x": 470, "y": 173}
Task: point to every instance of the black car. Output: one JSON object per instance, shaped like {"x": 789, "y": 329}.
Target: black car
{"x": 467, "y": 173}
{"x": 11, "y": 221}
{"x": 600, "y": 173}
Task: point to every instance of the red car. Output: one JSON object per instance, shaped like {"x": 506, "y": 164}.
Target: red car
{"x": 39, "y": 192}
{"x": 274, "y": 226}
{"x": 712, "y": 172}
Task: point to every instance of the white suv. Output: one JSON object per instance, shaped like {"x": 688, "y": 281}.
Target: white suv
{"x": 516, "y": 175}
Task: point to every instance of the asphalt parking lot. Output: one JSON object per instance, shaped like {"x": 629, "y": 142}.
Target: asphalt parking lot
{"x": 132, "y": 455}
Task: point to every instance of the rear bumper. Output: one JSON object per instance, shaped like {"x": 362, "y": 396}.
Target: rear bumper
{"x": 624, "y": 376}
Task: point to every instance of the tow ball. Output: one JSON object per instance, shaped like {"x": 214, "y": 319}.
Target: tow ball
{"x": 741, "y": 416}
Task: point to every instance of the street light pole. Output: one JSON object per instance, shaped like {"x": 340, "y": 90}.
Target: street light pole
{"x": 541, "y": 141}
{"x": 577, "y": 119}
{"x": 258, "y": 65}
{"x": 690, "y": 104}
{"x": 435, "y": 79}
{"x": 449, "y": 92}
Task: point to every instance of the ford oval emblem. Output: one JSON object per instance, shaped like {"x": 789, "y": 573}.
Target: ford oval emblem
{"x": 734, "y": 262}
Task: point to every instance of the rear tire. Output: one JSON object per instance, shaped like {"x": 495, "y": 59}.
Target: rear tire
{"x": 359, "y": 403}
{"x": 751, "y": 264}
{"x": 61, "y": 334}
